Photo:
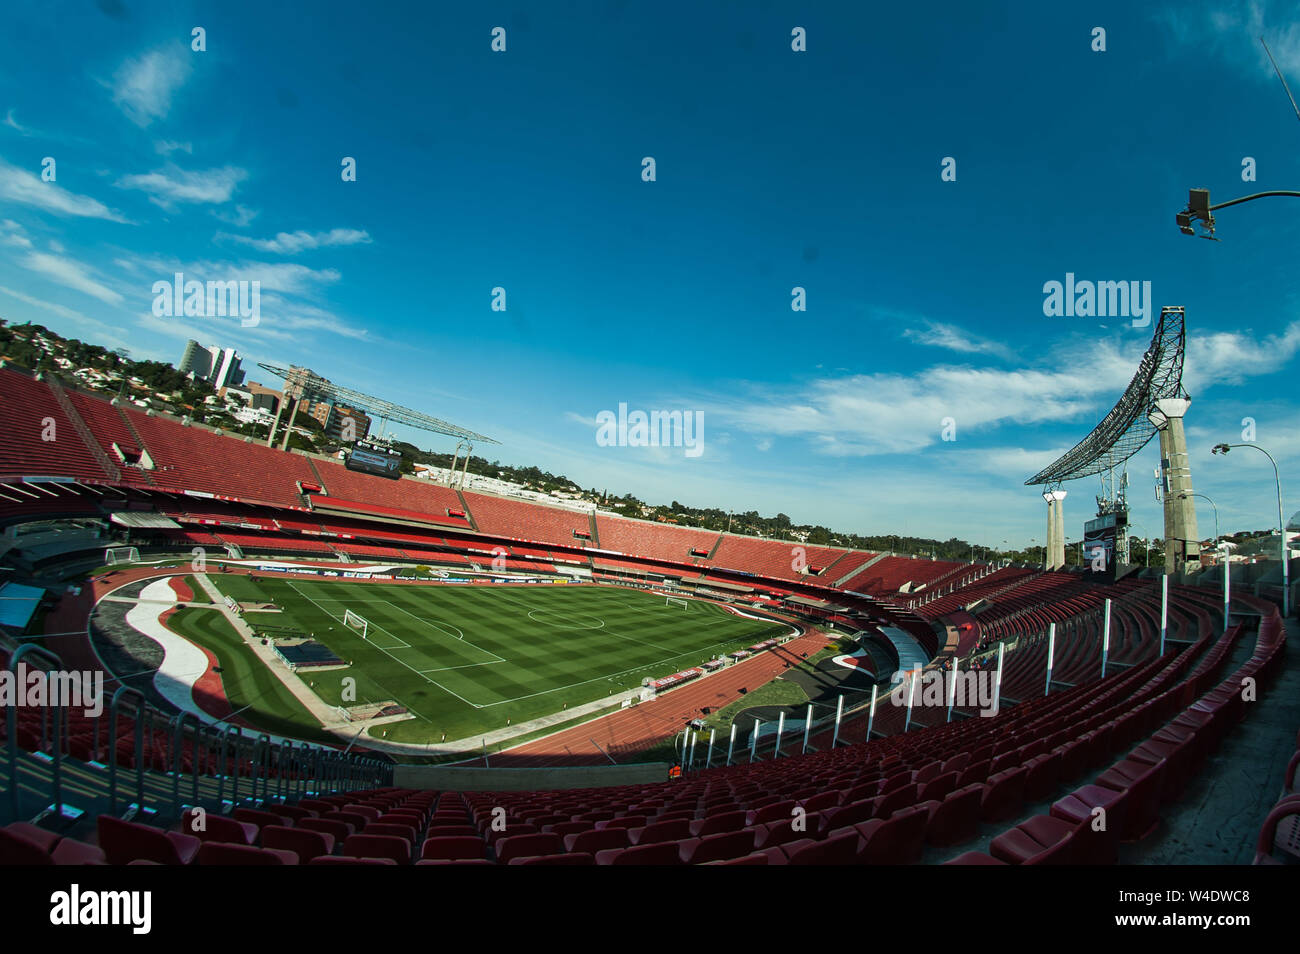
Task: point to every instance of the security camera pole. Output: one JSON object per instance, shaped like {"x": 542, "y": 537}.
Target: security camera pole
{"x": 1198, "y": 200}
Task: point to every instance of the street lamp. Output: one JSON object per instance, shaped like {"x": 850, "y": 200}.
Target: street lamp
{"x": 1222, "y": 548}
{"x": 1185, "y": 495}
{"x": 1281, "y": 527}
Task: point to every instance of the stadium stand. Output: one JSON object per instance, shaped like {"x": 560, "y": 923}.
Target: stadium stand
{"x": 1130, "y": 739}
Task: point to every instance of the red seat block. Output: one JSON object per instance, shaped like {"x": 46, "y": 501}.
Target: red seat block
{"x": 378, "y": 846}
{"x": 303, "y": 842}
{"x": 124, "y": 842}
{"x": 222, "y": 853}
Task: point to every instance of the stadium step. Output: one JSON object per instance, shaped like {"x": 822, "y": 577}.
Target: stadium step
{"x": 469, "y": 514}
{"x": 858, "y": 569}
{"x": 714, "y": 549}
{"x": 79, "y": 425}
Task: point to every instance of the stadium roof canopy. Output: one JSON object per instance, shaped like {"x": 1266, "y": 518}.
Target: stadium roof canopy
{"x": 1126, "y": 429}
{"x": 313, "y": 384}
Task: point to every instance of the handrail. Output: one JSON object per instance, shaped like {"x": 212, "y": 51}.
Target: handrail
{"x": 178, "y": 749}
{"x": 141, "y": 710}
{"x": 11, "y": 725}
{"x": 238, "y": 734}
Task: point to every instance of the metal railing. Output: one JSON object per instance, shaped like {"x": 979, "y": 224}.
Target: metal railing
{"x": 225, "y": 766}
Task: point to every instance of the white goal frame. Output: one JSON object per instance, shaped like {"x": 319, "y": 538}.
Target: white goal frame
{"x": 671, "y": 600}
{"x": 116, "y": 555}
{"x": 356, "y": 621}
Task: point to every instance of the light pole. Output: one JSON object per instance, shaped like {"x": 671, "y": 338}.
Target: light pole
{"x": 1185, "y": 495}
{"x": 1223, "y": 552}
{"x": 1281, "y": 527}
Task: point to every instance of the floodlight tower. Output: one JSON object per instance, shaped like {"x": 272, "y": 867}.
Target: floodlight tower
{"x": 1123, "y": 432}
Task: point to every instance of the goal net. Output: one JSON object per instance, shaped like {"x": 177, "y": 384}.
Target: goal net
{"x": 356, "y": 622}
{"x": 676, "y": 601}
{"x": 114, "y": 555}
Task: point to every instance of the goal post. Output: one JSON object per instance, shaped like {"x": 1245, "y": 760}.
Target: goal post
{"x": 356, "y": 622}
{"x": 676, "y": 601}
{"x": 115, "y": 555}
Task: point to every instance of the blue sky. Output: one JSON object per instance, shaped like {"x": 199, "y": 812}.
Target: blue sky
{"x": 775, "y": 169}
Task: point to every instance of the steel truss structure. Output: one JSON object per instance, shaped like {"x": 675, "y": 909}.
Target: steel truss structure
{"x": 299, "y": 382}
{"x": 1126, "y": 429}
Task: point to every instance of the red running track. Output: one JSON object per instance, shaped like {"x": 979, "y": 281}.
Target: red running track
{"x": 635, "y": 729}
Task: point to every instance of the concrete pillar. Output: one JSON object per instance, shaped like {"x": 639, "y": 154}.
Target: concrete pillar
{"x": 1058, "y": 548}
{"x": 1051, "y": 529}
{"x": 1182, "y": 543}
{"x": 1054, "y": 554}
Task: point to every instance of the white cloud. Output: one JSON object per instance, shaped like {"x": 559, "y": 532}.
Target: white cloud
{"x": 143, "y": 86}
{"x": 71, "y": 274}
{"x": 13, "y": 123}
{"x": 166, "y": 147}
{"x": 241, "y": 217}
{"x": 587, "y": 422}
{"x": 1229, "y": 357}
{"x": 284, "y": 315}
{"x": 12, "y": 235}
{"x": 290, "y": 243}
{"x": 886, "y": 413}
{"x": 171, "y": 185}
{"x": 1232, "y": 30}
{"x": 53, "y": 308}
{"x": 19, "y": 185}
{"x": 940, "y": 335}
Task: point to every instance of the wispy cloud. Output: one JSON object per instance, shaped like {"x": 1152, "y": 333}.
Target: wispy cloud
{"x": 241, "y": 217}
{"x": 1230, "y": 31}
{"x": 287, "y": 278}
{"x": 14, "y": 124}
{"x": 890, "y": 413}
{"x": 143, "y": 86}
{"x": 70, "y": 274}
{"x": 1229, "y": 357}
{"x": 52, "y": 307}
{"x": 166, "y": 147}
{"x": 171, "y": 185}
{"x": 19, "y": 185}
{"x": 298, "y": 316}
{"x": 940, "y": 335}
{"x": 12, "y": 235}
{"x": 290, "y": 243}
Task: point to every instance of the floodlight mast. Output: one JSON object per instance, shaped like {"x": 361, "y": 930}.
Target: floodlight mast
{"x": 1141, "y": 412}
{"x": 301, "y": 383}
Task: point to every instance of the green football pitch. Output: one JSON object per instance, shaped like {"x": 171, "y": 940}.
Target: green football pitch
{"x": 469, "y": 659}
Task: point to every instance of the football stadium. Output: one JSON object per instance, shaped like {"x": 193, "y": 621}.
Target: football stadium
{"x": 344, "y": 615}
